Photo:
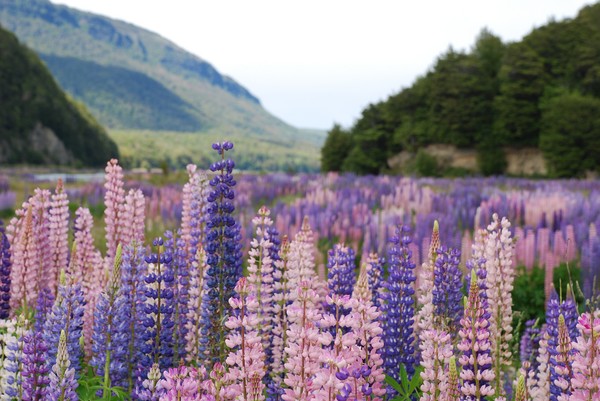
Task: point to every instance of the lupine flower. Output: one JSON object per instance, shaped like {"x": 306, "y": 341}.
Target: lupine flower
{"x": 425, "y": 311}
{"x": 303, "y": 346}
{"x": 341, "y": 279}
{"x": 134, "y": 216}
{"x": 186, "y": 384}
{"x": 223, "y": 251}
{"x": 111, "y": 329}
{"x": 11, "y": 380}
{"x": 447, "y": 296}
{"x": 66, "y": 316}
{"x": 194, "y": 322}
{"x": 541, "y": 389}
{"x": 586, "y": 363}
{"x": 246, "y": 358}
{"x": 58, "y": 216}
{"x": 453, "y": 393}
{"x": 375, "y": 273}
{"x": 35, "y": 369}
{"x": 62, "y": 377}
{"x": 398, "y": 307}
{"x": 368, "y": 331}
{"x": 114, "y": 201}
{"x": 436, "y": 350}
{"x": 477, "y": 373}
{"x": 158, "y": 309}
{"x": 4, "y": 274}
{"x": 530, "y": 343}
{"x": 301, "y": 260}
{"x": 180, "y": 271}
{"x": 500, "y": 276}
{"x": 25, "y": 260}
{"x": 44, "y": 306}
{"x": 193, "y": 213}
{"x": 133, "y": 271}
{"x": 151, "y": 389}
{"x": 562, "y": 363}
{"x": 521, "y": 392}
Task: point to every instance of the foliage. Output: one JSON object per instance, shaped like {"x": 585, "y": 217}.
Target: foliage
{"x": 407, "y": 389}
{"x": 335, "y": 150}
{"x": 425, "y": 164}
{"x": 497, "y": 96}
{"x": 33, "y": 102}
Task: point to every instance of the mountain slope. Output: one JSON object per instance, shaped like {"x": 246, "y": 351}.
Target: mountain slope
{"x": 134, "y": 80}
{"x": 38, "y": 123}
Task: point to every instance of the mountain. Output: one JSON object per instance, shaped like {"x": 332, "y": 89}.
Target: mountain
{"x": 539, "y": 95}
{"x": 38, "y": 122}
{"x": 136, "y": 82}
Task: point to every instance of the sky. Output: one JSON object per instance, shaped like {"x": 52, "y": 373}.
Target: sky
{"x": 314, "y": 63}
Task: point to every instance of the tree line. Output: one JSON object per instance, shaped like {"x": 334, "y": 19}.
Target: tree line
{"x": 543, "y": 91}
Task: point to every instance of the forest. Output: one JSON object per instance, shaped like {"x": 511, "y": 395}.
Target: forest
{"x": 541, "y": 92}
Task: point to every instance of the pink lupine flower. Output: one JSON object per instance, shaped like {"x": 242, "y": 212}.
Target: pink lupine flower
{"x": 114, "y": 200}
{"x": 586, "y": 363}
{"x": 436, "y": 351}
{"x": 425, "y": 308}
{"x": 186, "y": 384}
{"x": 134, "y": 215}
{"x": 194, "y": 320}
{"x": 500, "y": 276}
{"x": 540, "y": 391}
{"x": 304, "y": 344}
{"x": 281, "y": 298}
{"x": 246, "y": 358}
{"x": 58, "y": 217}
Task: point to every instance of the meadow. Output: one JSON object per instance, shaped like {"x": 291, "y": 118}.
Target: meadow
{"x": 212, "y": 284}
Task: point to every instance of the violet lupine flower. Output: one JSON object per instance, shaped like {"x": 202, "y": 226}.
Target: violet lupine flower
{"x": 62, "y": 377}
{"x": 224, "y": 256}
{"x": 35, "y": 369}
{"x": 436, "y": 350}
{"x": 111, "y": 331}
{"x": 562, "y": 363}
{"x": 66, "y": 316}
{"x": 133, "y": 270}
{"x": 11, "y": 379}
{"x": 375, "y": 273}
{"x": 398, "y": 307}
{"x": 341, "y": 279}
{"x": 4, "y": 274}
{"x": 180, "y": 270}
{"x": 477, "y": 373}
{"x": 8, "y": 328}
{"x": 150, "y": 389}
{"x": 193, "y": 213}
{"x": 447, "y": 283}
{"x": 246, "y": 355}
{"x": 44, "y": 306}
{"x": 530, "y": 341}
{"x": 586, "y": 363}
{"x": 159, "y": 307}
{"x": 554, "y": 310}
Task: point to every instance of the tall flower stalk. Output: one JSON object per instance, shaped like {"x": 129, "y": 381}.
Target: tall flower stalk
{"x": 4, "y": 274}
{"x": 62, "y": 377}
{"x": 224, "y": 256}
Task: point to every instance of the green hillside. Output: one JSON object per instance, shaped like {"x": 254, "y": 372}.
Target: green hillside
{"x": 38, "y": 122}
{"x": 135, "y": 81}
{"x": 541, "y": 92}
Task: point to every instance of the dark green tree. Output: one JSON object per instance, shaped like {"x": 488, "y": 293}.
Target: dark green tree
{"x": 570, "y": 134}
{"x": 368, "y": 155}
{"x": 336, "y": 148}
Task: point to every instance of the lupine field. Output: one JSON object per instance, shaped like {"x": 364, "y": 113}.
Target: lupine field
{"x": 307, "y": 287}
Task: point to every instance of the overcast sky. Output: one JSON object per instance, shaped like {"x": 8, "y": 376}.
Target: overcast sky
{"x": 317, "y": 62}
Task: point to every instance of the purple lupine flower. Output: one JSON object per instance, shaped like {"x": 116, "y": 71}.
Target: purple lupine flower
{"x": 447, "y": 282}
{"x": 35, "y": 369}
{"x": 477, "y": 372}
{"x": 376, "y": 280}
{"x": 133, "y": 270}
{"x": 62, "y": 377}
{"x": 4, "y": 274}
{"x": 341, "y": 280}
{"x": 44, "y": 306}
{"x": 181, "y": 272}
{"x": 66, "y": 315}
{"x": 111, "y": 329}
{"x": 398, "y": 307}
{"x": 530, "y": 342}
{"x": 158, "y": 309}
{"x": 224, "y": 256}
